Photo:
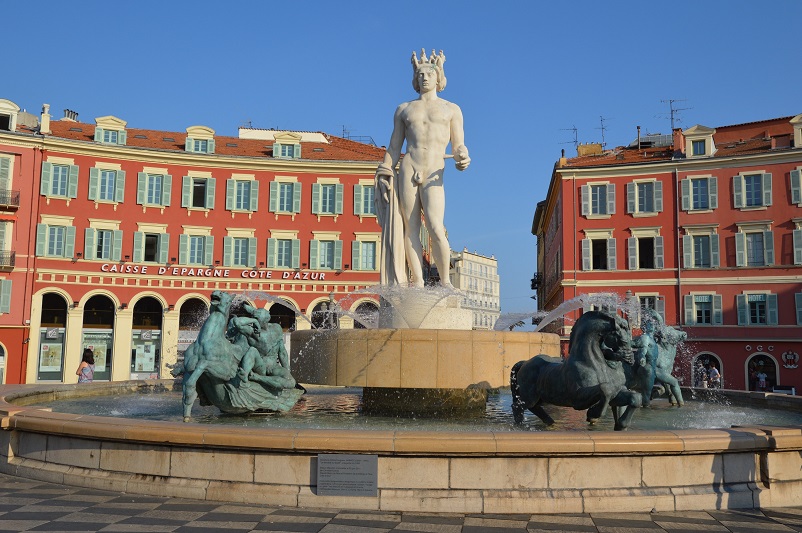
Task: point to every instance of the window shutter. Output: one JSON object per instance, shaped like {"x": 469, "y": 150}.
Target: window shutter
{"x": 715, "y": 256}
{"x": 5, "y": 173}
{"x": 72, "y": 183}
{"x": 586, "y": 258}
{"x": 632, "y": 253}
{"x": 768, "y": 247}
{"x": 5, "y": 296}
{"x": 271, "y": 253}
{"x": 276, "y": 149}
{"x": 296, "y": 197}
{"x": 122, "y": 138}
{"x": 767, "y": 188}
{"x": 685, "y": 187}
{"x": 189, "y": 145}
{"x": 338, "y": 255}
{"x": 687, "y": 251}
{"x": 119, "y": 187}
{"x": 316, "y": 198}
{"x": 69, "y": 244}
{"x": 690, "y": 317}
{"x": 210, "y": 188}
{"x": 798, "y": 246}
{"x": 611, "y": 255}
{"x": 47, "y": 178}
{"x": 89, "y": 243}
{"x": 632, "y": 199}
{"x": 296, "y": 151}
{"x": 798, "y": 301}
{"x": 712, "y": 192}
{"x": 611, "y": 198}
{"x": 772, "y": 315}
{"x": 313, "y": 244}
{"x": 338, "y": 199}
{"x": 743, "y": 309}
{"x": 658, "y": 252}
{"x": 254, "y": 201}
{"x": 94, "y": 178}
{"x": 210, "y": 146}
{"x": 230, "y": 184}
{"x": 585, "y": 194}
{"x": 167, "y": 191}
{"x": 98, "y": 135}
{"x": 208, "y": 250}
{"x": 141, "y": 187}
{"x": 737, "y": 191}
{"x": 718, "y": 315}
{"x": 139, "y": 247}
{"x": 164, "y": 248}
{"x": 117, "y": 245}
{"x": 296, "y": 254}
{"x": 658, "y": 196}
{"x": 183, "y": 249}
{"x": 740, "y": 249}
{"x": 660, "y": 307}
{"x": 186, "y": 191}
{"x": 251, "y": 252}
{"x": 41, "y": 239}
{"x": 228, "y": 251}
{"x": 272, "y": 204}
{"x": 356, "y": 255}
{"x": 796, "y": 187}
{"x": 358, "y": 199}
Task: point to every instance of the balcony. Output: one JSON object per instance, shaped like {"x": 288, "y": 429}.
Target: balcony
{"x": 7, "y": 260}
{"x": 9, "y": 199}
{"x": 536, "y": 281}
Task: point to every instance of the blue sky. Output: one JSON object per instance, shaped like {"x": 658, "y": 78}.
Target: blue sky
{"x": 522, "y": 72}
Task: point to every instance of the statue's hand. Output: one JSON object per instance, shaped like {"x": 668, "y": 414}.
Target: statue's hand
{"x": 385, "y": 185}
{"x": 461, "y": 158}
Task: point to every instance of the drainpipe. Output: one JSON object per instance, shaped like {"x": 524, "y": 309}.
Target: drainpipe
{"x": 677, "y": 200}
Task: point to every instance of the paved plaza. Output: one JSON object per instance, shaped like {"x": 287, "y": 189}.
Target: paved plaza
{"x": 27, "y": 505}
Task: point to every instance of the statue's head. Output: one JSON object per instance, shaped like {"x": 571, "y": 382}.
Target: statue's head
{"x": 220, "y": 301}
{"x": 432, "y": 64}
{"x": 262, "y": 315}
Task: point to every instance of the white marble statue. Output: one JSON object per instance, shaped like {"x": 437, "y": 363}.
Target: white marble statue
{"x": 427, "y": 124}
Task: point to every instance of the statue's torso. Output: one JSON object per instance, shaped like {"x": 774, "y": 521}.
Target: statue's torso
{"x": 428, "y": 132}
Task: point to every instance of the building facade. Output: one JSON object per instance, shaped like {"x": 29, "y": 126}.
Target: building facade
{"x": 705, "y": 226}
{"x": 113, "y": 237}
{"x": 477, "y": 277}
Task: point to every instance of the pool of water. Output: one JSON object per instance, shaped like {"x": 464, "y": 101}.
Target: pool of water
{"x": 340, "y": 408}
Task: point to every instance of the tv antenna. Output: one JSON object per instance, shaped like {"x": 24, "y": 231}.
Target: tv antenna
{"x": 575, "y": 142}
{"x": 603, "y": 128}
{"x": 674, "y": 111}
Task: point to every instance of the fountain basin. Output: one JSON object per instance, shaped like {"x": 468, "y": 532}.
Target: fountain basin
{"x": 418, "y": 471}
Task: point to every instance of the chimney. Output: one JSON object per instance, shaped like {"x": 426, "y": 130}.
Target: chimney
{"x": 71, "y": 115}
{"x": 638, "y": 137}
{"x": 44, "y": 127}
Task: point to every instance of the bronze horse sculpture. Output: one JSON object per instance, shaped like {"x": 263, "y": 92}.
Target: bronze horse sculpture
{"x": 592, "y": 377}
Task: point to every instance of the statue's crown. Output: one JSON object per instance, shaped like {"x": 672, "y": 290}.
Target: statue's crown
{"x": 436, "y": 60}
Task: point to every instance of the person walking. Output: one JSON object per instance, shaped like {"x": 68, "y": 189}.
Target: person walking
{"x": 86, "y": 370}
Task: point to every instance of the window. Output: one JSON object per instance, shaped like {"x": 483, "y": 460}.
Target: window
{"x": 151, "y": 247}
{"x": 598, "y": 254}
{"x": 699, "y": 194}
{"x": 5, "y": 296}
{"x": 645, "y": 252}
{"x": 797, "y": 242}
{"x": 645, "y": 197}
{"x": 195, "y": 249}
{"x": 55, "y": 240}
{"x": 103, "y": 244}
{"x": 59, "y": 180}
{"x": 199, "y": 146}
{"x": 700, "y": 250}
{"x": 703, "y": 309}
{"x": 154, "y": 189}
{"x": 796, "y": 187}
{"x": 751, "y": 190}
{"x": 653, "y": 302}
{"x": 106, "y": 185}
{"x": 197, "y": 192}
{"x": 284, "y": 253}
{"x": 287, "y": 151}
{"x": 108, "y": 179}
{"x": 798, "y": 302}
{"x": 598, "y": 199}
{"x": 285, "y": 197}
{"x": 754, "y": 248}
{"x": 325, "y": 254}
{"x": 110, "y": 136}
{"x": 363, "y": 255}
{"x": 757, "y": 309}
{"x": 239, "y": 251}
{"x": 699, "y": 147}
{"x": 242, "y": 195}
{"x": 363, "y": 200}
{"x": 327, "y": 198}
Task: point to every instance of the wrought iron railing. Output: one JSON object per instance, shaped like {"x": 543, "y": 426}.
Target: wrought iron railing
{"x": 8, "y": 259}
{"x": 9, "y": 198}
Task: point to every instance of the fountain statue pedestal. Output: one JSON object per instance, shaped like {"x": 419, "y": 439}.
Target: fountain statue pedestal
{"x": 446, "y": 314}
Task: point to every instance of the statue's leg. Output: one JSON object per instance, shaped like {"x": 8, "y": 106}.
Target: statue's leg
{"x": 675, "y": 391}
{"x": 190, "y": 392}
{"x": 248, "y": 362}
{"x": 541, "y": 413}
{"x": 628, "y": 401}
{"x": 410, "y": 208}
{"x": 433, "y": 201}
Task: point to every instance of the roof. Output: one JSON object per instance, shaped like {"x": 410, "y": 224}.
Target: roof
{"x": 337, "y": 149}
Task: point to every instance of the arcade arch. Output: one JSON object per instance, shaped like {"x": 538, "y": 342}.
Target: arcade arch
{"x": 699, "y": 374}
{"x": 762, "y": 372}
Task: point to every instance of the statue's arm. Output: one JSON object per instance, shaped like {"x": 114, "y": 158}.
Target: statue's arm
{"x": 393, "y": 152}
{"x": 458, "y": 147}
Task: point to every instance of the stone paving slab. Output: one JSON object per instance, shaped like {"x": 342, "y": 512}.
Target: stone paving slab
{"x": 27, "y": 505}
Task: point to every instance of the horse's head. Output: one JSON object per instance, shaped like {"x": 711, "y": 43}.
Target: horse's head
{"x": 220, "y": 302}
{"x": 605, "y": 334}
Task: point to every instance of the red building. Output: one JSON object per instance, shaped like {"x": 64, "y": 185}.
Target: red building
{"x": 704, "y": 225}
{"x": 113, "y": 237}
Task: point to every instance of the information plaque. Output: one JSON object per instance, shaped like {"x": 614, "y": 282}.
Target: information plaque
{"x": 347, "y": 475}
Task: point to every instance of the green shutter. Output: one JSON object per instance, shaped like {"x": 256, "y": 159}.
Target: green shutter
{"x": 338, "y": 255}
{"x": 296, "y": 151}
{"x": 690, "y": 316}
{"x": 356, "y": 255}
{"x": 798, "y": 302}
{"x": 316, "y": 198}
{"x": 768, "y": 247}
{"x": 183, "y": 249}
{"x": 767, "y": 189}
{"x": 119, "y": 187}
{"x": 796, "y": 187}
{"x": 660, "y": 307}
{"x": 228, "y": 251}
{"x": 69, "y": 244}
{"x": 164, "y": 248}
{"x": 658, "y": 196}
{"x": 141, "y": 187}
{"x": 743, "y": 309}
{"x": 189, "y": 146}
{"x": 210, "y": 188}
{"x": 139, "y": 247}
{"x": 358, "y": 199}
{"x": 276, "y": 150}
{"x": 687, "y": 251}
{"x": 167, "y": 191}
{"x": 210, "y": 146}
{"x": 632, "y": 200}
{"x": 797, "y": 246}
{"x": 271, "y": 253}
{"x": 98, "y": 135}
{"x": 611, "y": 255}
{"x": 254, "y": 200}
{"x": 5, "y": 173}
{"x": 658, "y": 252}
{"x": 740, "y": 249}
{"x": 685, "y": 187}
{"x": 90, "y": 251}
{"x": 272, "y": 204}
{"x": 714, "y": 251}
{"x": 611, "y": 198}
{"x": 208, "y": 250}
{"x": 122, "y": 138}
{"x": 230, "y": 192}
{"x": 338, "y": 198}
{"x": 296, "y": 253}
{"x": 47, "y": 178}
{"x": 632, "y": 253}
{"x": 251, "y": 252}
{"x": 186, "y": 191}
{"x": 771, "y": 310}
{"x": 586, "y": 257}
{"x": 94, "y": 179}
{"x": 718, "y": 315}
{"x": 313, "y": 244}
{"x": 712, "y": 192}
{"x": 296, "y": 197}
{"x": 5, "y": 296}
{"x": 72, "y": 183}
{"x": 117, "y": 245}
{"x": 41, "y": 239}
{"x": 737, "y": 191}
{"x": 585, "y": 196}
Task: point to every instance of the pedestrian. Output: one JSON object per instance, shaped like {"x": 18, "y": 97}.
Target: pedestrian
{"x": 761, "y": 380}
{"x": 86, "y": 370}
{"x": 715, "y": 377}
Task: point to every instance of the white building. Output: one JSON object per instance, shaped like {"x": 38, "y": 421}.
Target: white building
{"x": 477, "y": 276}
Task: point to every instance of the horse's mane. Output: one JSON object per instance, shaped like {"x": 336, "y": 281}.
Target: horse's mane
{"x": 587, "y": 331}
